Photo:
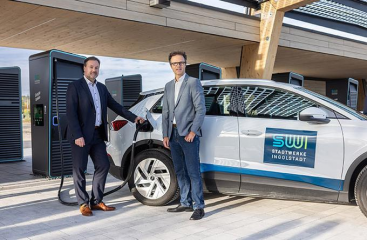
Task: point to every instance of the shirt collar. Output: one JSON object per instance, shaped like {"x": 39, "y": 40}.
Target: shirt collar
{"x": 89, "y": 82}
{"x": 181, "y": 78}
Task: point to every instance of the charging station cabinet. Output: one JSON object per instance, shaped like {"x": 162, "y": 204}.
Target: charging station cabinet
{"x": 344, "y": 91}
{"x": 289, "y": 77}
{"x": 11, "y": 134}
{"x": 49, "y": 72}
{"x": 204, "y": 71}
{"x": 125, "y": 90}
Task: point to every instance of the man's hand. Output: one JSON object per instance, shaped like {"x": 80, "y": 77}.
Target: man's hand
{"x": 139, "y": 119}
{"x": 166, "y": 142}
{"x": 190, "y": 137}
{"x": 80, "y": 142}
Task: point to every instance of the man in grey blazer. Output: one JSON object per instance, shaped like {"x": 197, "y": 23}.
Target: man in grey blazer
{"x": 182, "y": 116}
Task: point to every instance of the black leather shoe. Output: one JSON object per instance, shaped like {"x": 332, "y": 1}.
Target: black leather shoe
{"x": 180, "y": 208}
{"x": 198, "y": 214}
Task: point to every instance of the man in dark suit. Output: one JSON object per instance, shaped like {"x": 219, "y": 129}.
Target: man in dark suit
{"x": 86, "y": 110}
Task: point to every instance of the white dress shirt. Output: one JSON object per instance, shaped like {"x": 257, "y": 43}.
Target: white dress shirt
{"x": 178, "y": 84}
{"x": 96, "y": 99}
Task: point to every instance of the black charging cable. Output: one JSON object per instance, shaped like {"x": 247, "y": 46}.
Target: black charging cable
{"x": 129, "y": 174}
{"x": 145, "y": 126}
{"x": 55, "y": 84}
{"x": 132, "y": 162}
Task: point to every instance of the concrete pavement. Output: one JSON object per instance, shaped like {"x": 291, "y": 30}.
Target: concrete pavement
{"x": 29, "y": 209}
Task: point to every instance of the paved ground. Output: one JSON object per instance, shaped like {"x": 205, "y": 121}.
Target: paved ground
{"x": 29, "y": 209}
{"x": 27, "y": 134}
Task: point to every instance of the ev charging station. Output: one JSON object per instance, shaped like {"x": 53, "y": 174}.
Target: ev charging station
{"x": 125, "y": 90}
{"x": 11, "y": 134}
{"x": 50, "y": 73}
{"x": 204, "y": 71}
{"x": 344, "y": 91}
{"x": 289, "y": 77}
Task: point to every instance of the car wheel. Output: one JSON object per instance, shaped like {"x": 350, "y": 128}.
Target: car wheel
{"x": 153, "y": 181}
{"x": 360, "y": 190}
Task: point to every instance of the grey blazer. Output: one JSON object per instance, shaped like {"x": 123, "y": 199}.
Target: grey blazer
{"x": 189, "y": 109}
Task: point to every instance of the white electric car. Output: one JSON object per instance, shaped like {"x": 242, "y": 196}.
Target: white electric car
{"x": 260, "y": 138}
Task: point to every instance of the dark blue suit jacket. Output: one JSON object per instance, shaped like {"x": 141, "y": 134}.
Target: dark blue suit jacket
{"x": 81, "y": 114}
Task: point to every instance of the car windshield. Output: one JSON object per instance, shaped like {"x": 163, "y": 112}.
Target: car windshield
{"x": 335, "y": 103}
{"x": 141, "y": 107}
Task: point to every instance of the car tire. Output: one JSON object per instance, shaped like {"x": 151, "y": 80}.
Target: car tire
{"x": 154, "y": 187}
{"x": 360, "y": 191}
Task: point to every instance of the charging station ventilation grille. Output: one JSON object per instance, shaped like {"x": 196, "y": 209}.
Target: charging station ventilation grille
{"x": 125, "y": 90}
{"x": 131, "y": 90}
{"x": 11, "y": 136}
{"x": 55, "y": 161}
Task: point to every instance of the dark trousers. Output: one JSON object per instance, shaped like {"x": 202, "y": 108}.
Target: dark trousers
{"x": 186, "y": 161}
{"x": 97, "y": 151}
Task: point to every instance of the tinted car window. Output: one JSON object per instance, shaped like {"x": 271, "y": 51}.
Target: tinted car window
{"x": 336, "y": 104}
{"x": 219, "y": 100}
{"x": 157, "y": 108}
{"x": 267, "y": 102}
{"x": 252, "y": 101}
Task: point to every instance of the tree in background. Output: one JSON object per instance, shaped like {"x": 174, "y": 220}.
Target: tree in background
{"x": 26, "y": 112}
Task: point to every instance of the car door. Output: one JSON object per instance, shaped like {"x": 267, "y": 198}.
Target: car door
{"x": 284, "y": 157}
{"x": 219, "y": 145}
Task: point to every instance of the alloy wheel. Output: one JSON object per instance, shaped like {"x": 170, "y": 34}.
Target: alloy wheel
{"x": 152, "y": 178}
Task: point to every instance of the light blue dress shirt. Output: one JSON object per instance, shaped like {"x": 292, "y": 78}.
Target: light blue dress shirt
{"x": 96, "y": 99}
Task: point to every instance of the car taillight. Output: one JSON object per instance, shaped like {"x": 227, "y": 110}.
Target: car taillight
{"x": 118, "y": 124}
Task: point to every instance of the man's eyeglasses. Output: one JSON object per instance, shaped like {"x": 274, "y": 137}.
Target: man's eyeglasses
{"x": 178, "y": 63}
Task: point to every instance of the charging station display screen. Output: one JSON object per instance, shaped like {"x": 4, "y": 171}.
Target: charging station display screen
{"x": 38, "y": 115}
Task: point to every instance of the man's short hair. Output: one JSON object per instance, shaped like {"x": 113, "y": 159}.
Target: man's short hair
{"x": 174, "y": 53}
{"x": 91, "y": 59}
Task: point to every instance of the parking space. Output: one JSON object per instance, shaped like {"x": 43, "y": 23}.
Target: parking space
{"x": 29, "y": 209}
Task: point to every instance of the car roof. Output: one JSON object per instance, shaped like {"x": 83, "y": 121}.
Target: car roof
{"x": 152, "y": 91}
{"x": 219, "y": 82}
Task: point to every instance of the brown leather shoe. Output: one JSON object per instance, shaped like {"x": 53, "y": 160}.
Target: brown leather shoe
{"x": 85, "y": 210}
{"x": 103, "y": 207}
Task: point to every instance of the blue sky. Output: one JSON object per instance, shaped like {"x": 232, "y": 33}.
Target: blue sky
{"x": 155, "y": 74}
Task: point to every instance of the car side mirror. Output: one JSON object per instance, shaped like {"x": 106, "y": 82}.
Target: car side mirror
{"x": 314, "y": 115}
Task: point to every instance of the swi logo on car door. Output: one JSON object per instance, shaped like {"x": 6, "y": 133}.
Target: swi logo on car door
{"x": 290, "y": 147}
